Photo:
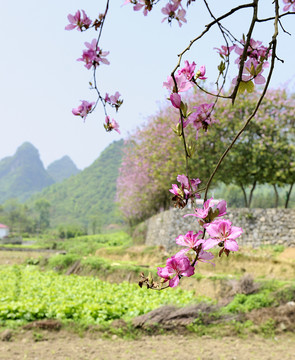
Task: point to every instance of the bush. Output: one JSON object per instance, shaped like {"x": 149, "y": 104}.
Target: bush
{"x": 61, "y": 262}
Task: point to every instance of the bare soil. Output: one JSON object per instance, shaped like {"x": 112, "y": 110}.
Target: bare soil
{"x": 67, "y": 346}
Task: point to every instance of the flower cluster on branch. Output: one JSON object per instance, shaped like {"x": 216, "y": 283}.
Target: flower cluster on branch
{"x": 92, "y": 57}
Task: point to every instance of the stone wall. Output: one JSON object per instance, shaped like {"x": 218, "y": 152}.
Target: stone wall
{"x": 261, "y": 226}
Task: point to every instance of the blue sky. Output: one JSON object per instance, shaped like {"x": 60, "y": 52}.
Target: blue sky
{"x": 41, "y": 81}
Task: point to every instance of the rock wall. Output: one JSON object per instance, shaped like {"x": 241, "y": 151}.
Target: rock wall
{"x": 261, "y": 226}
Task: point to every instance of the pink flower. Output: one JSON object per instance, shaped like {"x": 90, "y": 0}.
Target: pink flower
{"x": 114, "y": 100}
{"x": 185, "y": 184}
{"x": 188, "y": 70}
{"x": 84, "y": 109}
{"x": 186, "y": 191}
{"x": 175, "y": 190}
{"x": 221, "y": 232}
{"x": 252, "y": 72}
{"x": 225, "y": 51}
{"x": 176, "y": 267}
{"x": 189, "y": 240}
{"x": 139, "y": 4}
{"x": 201, "y": 118}
{"x": 189, "y": 188}
{"x": 182, "y": 83}
{"x": 201, "y": 73}
{"x": 170, "y": 10}
{"x": 255, "y": 62}
{"x": 111, "y": 125}
{"x": 93, "y": 55}
{"x": 180, "y": 16}
{"x": 203, "y": 213}
{"x": 77, "y": 22}
{"x": 175, "y": 100}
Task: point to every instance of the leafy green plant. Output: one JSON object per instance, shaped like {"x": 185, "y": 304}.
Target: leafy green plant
{"x": 89, "y": 300}
{"x": 268, "y": 328}
{"x": 245, "y": 303}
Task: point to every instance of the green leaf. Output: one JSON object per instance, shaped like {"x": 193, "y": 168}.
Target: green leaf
{"x": 246, "y": 86}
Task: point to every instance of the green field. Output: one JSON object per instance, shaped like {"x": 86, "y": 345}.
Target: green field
{"x": 28, "y": 294}
{"x": 34, "y": 286}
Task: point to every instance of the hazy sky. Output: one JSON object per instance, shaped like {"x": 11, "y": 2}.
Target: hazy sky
{"x": 41, "y": 81}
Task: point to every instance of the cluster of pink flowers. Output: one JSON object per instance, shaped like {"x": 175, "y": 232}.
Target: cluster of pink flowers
{"x": 84, "y": 109}
{"x": 221, "y": 233}
{"x": 201, "y": 116}
{"x": 255, "y": 63}
{"x": 93, "y": 55}
{"x": 187, "y": 190}
{"x": 173, "y": 10}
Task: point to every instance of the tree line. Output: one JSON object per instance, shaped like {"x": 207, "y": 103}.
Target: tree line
{"x": 264, "y": 155}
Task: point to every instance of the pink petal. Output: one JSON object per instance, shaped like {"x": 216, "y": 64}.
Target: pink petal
{"x": 210, "y": 243}
{"x": 231, "y": 245}
{"x": 189, "y": 272}
{"x": 213, "y": 229}
{"x": 235, "y": 232}
{"x": 174, "y": 281}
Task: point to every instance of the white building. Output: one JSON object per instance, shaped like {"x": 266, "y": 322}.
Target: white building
{"x": 4, "y": 231}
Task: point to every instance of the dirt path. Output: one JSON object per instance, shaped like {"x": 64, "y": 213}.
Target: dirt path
{"x": 65, "y": 346}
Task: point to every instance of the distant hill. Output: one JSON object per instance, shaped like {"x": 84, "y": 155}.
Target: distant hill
{"x": 87, "y": 198}
{"x": 62, "y": 169}
{"x": 22, "y": 174}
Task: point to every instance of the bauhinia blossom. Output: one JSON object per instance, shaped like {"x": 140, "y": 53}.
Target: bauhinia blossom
{"x": 174, "y": 10}
{"x": 84, "y": 109}
{"x": 188, "y": 70}
{"x": 183, "y": 84}
{"x": 146, "y": 5}
{"x": 201, "y": 117}
{"x": 255, "y": 63}
{"x": 176, "y": 267}
{"x": 93, "y": 55}
{"x": 76, "y": 21}
{"x": 224, "y": 51}
{"x": 114, "y": 100}
{"x": 200, "y": 74}
{"x": 208, "y": 212}
{"x": 187, "y": 190}
{"x": 189, "y": 240}
{"x": 111, "y": 125}
{"x": 222, "y": 233}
